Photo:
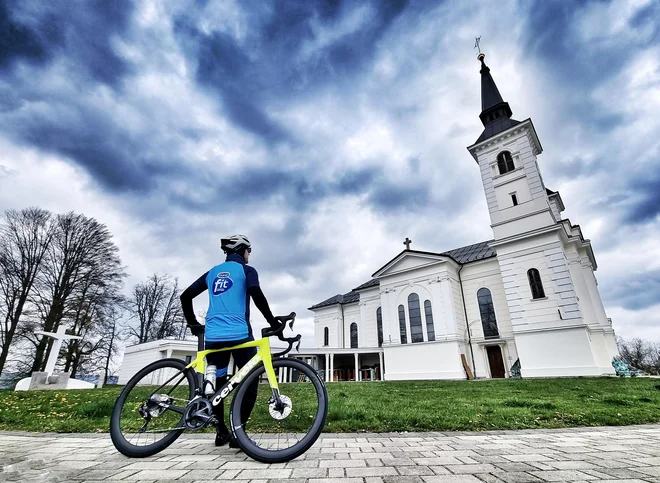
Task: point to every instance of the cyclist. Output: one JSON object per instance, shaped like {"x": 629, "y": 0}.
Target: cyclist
{"x": 230, "y": 285}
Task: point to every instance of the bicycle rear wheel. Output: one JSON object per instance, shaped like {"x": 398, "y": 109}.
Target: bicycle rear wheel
{"x": 274, "y": 436}
{"x": 148, "y": 414}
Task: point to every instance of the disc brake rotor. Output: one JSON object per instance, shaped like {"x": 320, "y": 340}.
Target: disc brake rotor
{"x": 283, "y": 411}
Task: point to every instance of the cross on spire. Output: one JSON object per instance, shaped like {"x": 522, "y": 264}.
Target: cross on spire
{"x": 407, "y": 243}
{"x": 476, "y": 43}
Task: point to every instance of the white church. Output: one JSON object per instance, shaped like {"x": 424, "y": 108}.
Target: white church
{"x": 525, "y": 303}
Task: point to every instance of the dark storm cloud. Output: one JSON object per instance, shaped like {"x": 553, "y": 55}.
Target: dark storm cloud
{"x": 647, "y": 16}
{"x": 116, "y": 158}
{"x": 18, "y": 41}
{"x": 634, "y": 292}
{"x": 645, "y": 196}
{"x": 578, "y": 66}
{"x": 267, "y": 66}
{"x": 37, "y": 32}
{"x": 303, "y": 191}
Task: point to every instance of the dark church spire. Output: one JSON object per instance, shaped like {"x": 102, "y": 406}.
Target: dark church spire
{"x": 495, "y": 113}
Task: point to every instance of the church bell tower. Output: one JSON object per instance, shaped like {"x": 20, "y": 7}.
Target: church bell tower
{"x": 559, "y": 323}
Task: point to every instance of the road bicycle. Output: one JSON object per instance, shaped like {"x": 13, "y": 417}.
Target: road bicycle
{"x": 167, "y": 397}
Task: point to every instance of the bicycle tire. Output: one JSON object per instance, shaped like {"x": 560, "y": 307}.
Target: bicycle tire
{"x": 125, "y": 446}
{"x": 251, "y": 447}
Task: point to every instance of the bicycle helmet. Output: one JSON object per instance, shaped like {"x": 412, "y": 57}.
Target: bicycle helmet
{"x": 235, "y": 244}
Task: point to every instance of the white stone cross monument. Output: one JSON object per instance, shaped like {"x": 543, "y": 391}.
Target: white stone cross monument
{"x": 43, "y": 380}
{"x": 59, "y": 336}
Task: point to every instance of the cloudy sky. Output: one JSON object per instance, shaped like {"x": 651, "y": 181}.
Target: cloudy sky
{"x": 328, "y": 132}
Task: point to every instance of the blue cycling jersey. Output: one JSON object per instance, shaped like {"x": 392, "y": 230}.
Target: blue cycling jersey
{"x": 228, "y": 316}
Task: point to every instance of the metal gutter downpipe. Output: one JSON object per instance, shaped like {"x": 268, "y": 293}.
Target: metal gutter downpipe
{"x": 467, "y": 324}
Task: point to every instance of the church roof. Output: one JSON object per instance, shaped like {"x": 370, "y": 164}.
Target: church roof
{"x": 471, "y": 253}
{"x": 463, "y": 255}
{"x": 371, "y": 283}
{"x": 346, "y": 298}
{"x": 495, "y": 112}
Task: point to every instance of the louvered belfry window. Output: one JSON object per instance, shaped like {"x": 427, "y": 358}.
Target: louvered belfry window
{"x": 505, "y": 162}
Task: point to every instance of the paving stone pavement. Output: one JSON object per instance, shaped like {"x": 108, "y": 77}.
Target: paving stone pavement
{"x": 629, "y": 454}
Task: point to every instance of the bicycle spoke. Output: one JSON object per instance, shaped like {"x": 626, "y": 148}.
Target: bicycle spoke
{"x": 163, "y": 404}
{"x": 279, "y": 429}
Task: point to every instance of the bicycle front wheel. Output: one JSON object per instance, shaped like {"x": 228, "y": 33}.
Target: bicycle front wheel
{"x": 274, "y": 435}
{"x": 148, "y": 414}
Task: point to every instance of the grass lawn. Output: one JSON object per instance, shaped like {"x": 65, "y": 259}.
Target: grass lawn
{"x": 394, "y": 406}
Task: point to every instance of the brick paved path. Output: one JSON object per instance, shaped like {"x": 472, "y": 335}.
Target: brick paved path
{"x": 621, "y": 454}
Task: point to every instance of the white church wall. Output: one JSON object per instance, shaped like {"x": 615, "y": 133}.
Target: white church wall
{"x": 555, "y": 353}
{"x": 513, "y": 220}
{"x": 369, "y": 303}
{"x": 327, "y": 317}
{"x": 582, "y": 291}
{"x": 560, "y": 302}
{"x": 592, "y": 286}
{"x": 424, "y": 360}
{"x": 485, "y": 274}
{"x": 554, "y": 208}
{"x": 395, "y": 289}
{"x": 601, "y": 352}
{"x": 402, "y": 299}
{"x": 351, "y": 316}
{"x": 517, "y": 186}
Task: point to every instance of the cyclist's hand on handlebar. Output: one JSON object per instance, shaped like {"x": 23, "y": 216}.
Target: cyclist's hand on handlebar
{"x": 278, "y": 324}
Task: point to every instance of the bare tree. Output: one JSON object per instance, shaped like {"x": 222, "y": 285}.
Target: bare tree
{"x": 93, "y": 299}
{"x": 156, "y": 308}
{"x": 113, "y": 336}
{"x": 635, "y": 352}
{"x": 25, "y": 237}
{"x": 654, "y": 359}
{"x": 82, "y": 254}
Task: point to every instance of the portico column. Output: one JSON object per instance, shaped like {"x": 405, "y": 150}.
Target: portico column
{"x": 332, "y": 366}
{"x": 357, "y": 377}
{"x": 282, "y": 374}
{"x": 327, "y": 367}
{"x": 382, "y": 368}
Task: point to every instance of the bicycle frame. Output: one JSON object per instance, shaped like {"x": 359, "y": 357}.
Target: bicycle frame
{"x": 263, "y": 355}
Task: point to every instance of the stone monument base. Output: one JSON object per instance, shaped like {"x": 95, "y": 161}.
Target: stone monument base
{"x": 40, "y": 381}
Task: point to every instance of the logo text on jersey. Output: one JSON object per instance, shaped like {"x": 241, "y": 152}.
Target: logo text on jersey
{"x": 222, "y": 284}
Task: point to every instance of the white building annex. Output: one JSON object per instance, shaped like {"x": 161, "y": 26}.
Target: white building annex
{"x": 523, "y": 303}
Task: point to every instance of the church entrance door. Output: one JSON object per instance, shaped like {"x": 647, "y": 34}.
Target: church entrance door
{"x": 495, "y": 361}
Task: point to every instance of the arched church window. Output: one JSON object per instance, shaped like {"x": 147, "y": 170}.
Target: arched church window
{"x": 326, "y": 336}
{"x": 415, "y": 314}
{"x": 430, "y": 331}
{"x": 379, "y": 324}
{"x": 535, "y": 283}
{"x": 505, "y": 162}
{"x": 487, "y": 311}
{"x": 402, "y": 325}
{"x": 354, "y": 336}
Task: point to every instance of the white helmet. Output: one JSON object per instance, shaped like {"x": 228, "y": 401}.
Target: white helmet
{"x": 235, "y": 243}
